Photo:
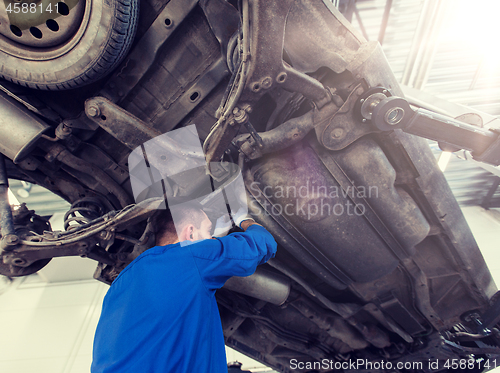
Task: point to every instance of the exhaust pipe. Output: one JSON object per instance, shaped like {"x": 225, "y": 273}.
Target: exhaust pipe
{"x": 19, "y": 129}
{"x": 263, "y": 284}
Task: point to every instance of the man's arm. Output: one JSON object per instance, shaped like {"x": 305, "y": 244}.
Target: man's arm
{"x": 237, "y": 254}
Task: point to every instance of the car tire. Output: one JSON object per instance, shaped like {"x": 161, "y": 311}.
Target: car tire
{"x": 98, "y": 44}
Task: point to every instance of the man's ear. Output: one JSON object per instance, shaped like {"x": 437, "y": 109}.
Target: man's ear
{"x": 187, "y": 233}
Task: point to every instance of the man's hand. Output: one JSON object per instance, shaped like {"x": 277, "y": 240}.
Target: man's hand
{"x": 246, "y": 223}
{"x": 242, "y": 219}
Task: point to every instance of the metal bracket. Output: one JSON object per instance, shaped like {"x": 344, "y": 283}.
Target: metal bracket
{"x": 144, "y": 54}
{"x": 265, "y": 70}
{"x": 119, "y": 123}
{"x": 344, "y": 127}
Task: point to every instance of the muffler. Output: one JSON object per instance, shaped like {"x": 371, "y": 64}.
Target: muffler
{"x": 19, "y": 129}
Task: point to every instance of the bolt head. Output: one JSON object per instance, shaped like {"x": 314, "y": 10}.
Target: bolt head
{"x": 93, "y": 111}
{"x": 8, "y": 241}
{"x": 11, "y": 239}
{"x": 337, "y": 133}
{"x": 267, "y": 82}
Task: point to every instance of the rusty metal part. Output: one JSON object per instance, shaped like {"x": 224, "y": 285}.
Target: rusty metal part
{"x": 423, "y": 297}
{"x": 128, "y": 129}
{"x": 344, "y": 310}
{"x": 223, "y": 19}
{"x": 170, "y": 116}
{"x": 296, "y": 343}
{"x": 343, "y": 128}
{"x": 25, "y": 255}
{"x": 131, "y": 131}
{"x": 29, "y": 99}
{"x": 135, "y": 134}
{"x": 16, "y": 141}
{"x": 301, "y": 199}
{"x": 25, "y": 223}
{"x": 59, "y": 152}
{"x": 143, "y": 56}
{"x": 265, "y": 70}
{"x": 287, "y": 134}
{"x": 335, "y": 326}
{"x": 371, "y": 333}
{"x": 263, "y": 284}
{"x": 79, "y": 164}
{"x": 369, "y": 100}
{"x": 87, "y": 240}
{"x": 84, "y": 210}
{"x": 346, "y": 330}
{"x": 296, "y": 242}
{"x": 63, "y": 131}
{"x": 387, "y": 321}
{"x": 400, "y": 245}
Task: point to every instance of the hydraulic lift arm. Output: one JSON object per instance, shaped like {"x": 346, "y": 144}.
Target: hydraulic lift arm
{"x": 395, "y": 113}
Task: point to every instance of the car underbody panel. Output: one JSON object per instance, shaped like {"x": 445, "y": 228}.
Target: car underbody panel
{"x": 375, "y": 259}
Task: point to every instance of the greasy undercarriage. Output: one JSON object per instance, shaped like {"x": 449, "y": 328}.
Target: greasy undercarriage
{"x": 390, "y": 273}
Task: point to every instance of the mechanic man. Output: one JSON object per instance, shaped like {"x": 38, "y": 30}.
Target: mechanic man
{"x": 160, "y": 313}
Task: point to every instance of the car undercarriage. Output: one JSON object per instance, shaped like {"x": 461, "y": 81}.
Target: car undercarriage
{"x": 375, "y": 260}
